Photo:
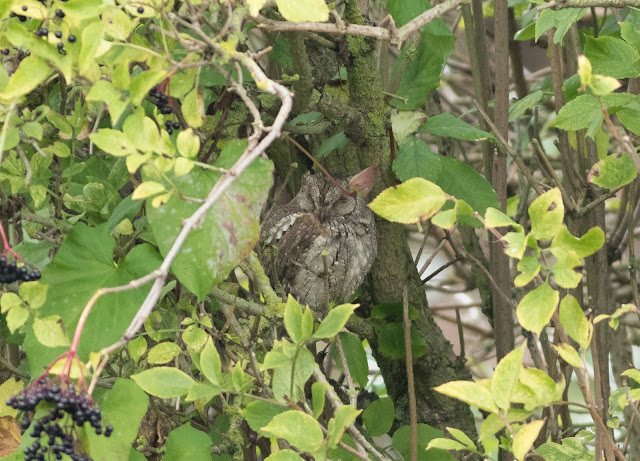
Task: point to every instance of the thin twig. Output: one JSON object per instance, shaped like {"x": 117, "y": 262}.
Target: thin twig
{"x": 413, "y": 412}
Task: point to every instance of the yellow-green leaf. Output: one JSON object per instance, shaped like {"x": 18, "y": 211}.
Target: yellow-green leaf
{"x": 308, "y": 10}
{"x": 49, "y": 331}
{"x": 536, "y": 308}
{"x": 410, "y": 202}
{"x": 147, "y": 189}
{"x": 523, "y": 440}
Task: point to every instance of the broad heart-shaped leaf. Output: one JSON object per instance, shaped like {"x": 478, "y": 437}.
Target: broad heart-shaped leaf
{"x": 546, "y": 213}
{"x": 229, "y": 230}
{"x": 613, "y": 57}
{"x": 298, "y": 428}
{"x": 582, "y": 112}
{"x": 335, "y": 321}
{"x": 456, "y": 178}
{"x": 536, "y": 308}
{"x": 505, "y": 377}
{"x": 613, "y": 171}
{"x": 123, "y": 407}
{"x": 187, "y": 444}
{"x": 523, "y": 440}
{"x": 410, "y": 202}
{"x": 469, "y": 392}
{"x": 575, "y": 322}
{"x": 448, "y": 126}
{"x": 164, "y": 382}
{"x": 83, "y": 264}
{"x": 584, "y": 246}
{"x": 419, "y": 70}
{"x": 309, "y": 10}
{"x": 378, "y": 416}
{"x": 563, "y": 269}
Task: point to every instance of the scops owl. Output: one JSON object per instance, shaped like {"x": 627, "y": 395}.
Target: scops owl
{"x": 320, "y": 218}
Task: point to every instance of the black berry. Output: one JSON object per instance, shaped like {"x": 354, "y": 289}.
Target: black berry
{"x": 59, "y": 13}
{"x": 71, "y": 38}
{"x": 58, "y": 34}
{"x": 6, "y": 51}
{"x": 140, "y": 10}
{"x": 176, "y": 126}
{"x": 25, "y": 7}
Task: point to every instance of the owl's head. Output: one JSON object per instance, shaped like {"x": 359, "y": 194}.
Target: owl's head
{"x": 319, "y": 195}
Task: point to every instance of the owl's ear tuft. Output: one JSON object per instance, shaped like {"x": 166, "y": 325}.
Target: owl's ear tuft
{"x": 362, "y": 183}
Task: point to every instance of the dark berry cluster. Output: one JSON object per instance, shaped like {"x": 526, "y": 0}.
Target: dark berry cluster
{"x": 162, "y": 103}
{"x": 55, "y": 432}
{"x": 12, "y": 272}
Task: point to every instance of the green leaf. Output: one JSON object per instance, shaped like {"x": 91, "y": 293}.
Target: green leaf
{"x": 137, "y": 347}
{"x": 612, "y": 56}
{"x": 343, "y": 417}
{"x": 524, "y": 439}
{"x": 195, "y": 338}
{"x": 299, "y": 325}
{"x": 8, "y": 301}
{"x": 193, "y": 108}
{"x": 259, "y": 413}
{"x": 237, "y": 376}
{"x": 163, "y": 353}
{"x": 229, "y": 230}
{"x": 356, "y": 358}
{"x": 285, "y": 455}
{"x": 391, "y": 340}
{"x": 462, "y": 437}
{"x": 469, "y": 392}
{"x": 335, "y": 142}
{"x": 188, "y": 143}
{"x": 446, "y": 444}
{"x": 404, "y": 11}
{"x": 448, "y": 126}
{"x": 210, "y": 363}
{"x": 633, "y": 374}
{"x": 584, "y": 246}
{"x": 113, "y": 142}
{"x": 335, "y": 321}
{"x": 123, "y": 406}
{"x": 302, "y": 370}
{"x": 496, "y": 218}
{"x": 505, "y": 378}
{"x": 546, "y": 213}
{"x": 16, "y": 317}
{"x": 410, "y": 202}
{"x": 49, "y": 331}
{"x": 378, "y": 416}
{"x": 562, "y": 20}
{"x": 142, "y": 83}
{"x": 298, "y": 428}
{"x": 456, "y": 178}
{"x": 310, "y": 10}
{"x": 401, "y": 441}
{"x": 569, "y": 355}
{"x": 318, "y": 391}
{"x": 187, "y": 444}
{"x": 546, "y": 389}
{"x": 83, "y": 264}
{"x": 529, "y": 268}
{"x": 536, "y": 308}
{"x": 31, "y": 72}
{"x": 580, "y": 113}
{"x": 406, "y": 123}
{"x": 563, "y": 269}
{"x": 9, "y": 388}
{"x": 91, "y": 40}
{"x": 33, "y": 130}
{"x": 571, "y": 449}
{"x": 202, "y": 392}
{"x": 147, "y": 189}
{"x": 519, "y": 108}
{"x": 164, "y": 382}
{"x": 418, "y": 70}
{"x": 613, "y": 171}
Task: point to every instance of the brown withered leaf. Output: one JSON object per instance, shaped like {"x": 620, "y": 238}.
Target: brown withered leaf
{"x": 10, "y": 437}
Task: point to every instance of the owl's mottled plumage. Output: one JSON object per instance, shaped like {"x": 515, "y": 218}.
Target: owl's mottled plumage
{"x": 320, "y": 218}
